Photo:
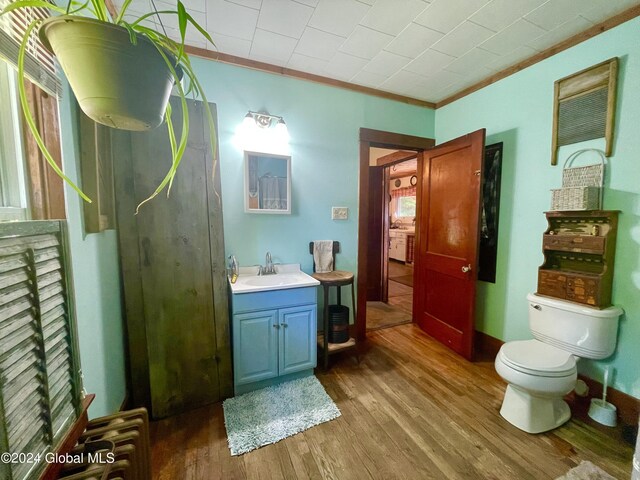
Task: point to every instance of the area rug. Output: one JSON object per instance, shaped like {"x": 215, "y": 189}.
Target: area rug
{"x": 586, "y": 471}
{"x": 269, "y": 415}
{"x": 382, "y": 315}
{"x": 404, "y": 279}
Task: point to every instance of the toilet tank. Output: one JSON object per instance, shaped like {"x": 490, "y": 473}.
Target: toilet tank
{"x": 585, "y": 332}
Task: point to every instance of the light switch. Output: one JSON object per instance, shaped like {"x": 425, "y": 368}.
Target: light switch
{"x": 339, "y": 213}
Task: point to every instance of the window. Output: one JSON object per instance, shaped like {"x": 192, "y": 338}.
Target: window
{"x": 13, "y": 192}
{"x": 406, "y": 207}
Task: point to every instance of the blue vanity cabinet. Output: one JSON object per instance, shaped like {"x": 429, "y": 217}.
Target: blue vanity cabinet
{"x": 274, "y": 337}
{"x": 298, "y": 350}
{"x": 256, "y": 346}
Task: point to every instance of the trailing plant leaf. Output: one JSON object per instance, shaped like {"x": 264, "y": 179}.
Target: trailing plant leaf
{"x": 17, "y": 4}
{"x": 173, "y": 54}
{"x": 178, "y": 152}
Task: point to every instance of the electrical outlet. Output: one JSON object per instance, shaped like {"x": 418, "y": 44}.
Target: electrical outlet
{"x": 339, "y": 213}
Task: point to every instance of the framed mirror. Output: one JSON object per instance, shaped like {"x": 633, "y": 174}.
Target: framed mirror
{"x": 267, "y": 183}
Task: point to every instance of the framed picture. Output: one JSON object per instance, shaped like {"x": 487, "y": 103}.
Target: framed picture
{"x": 490, "y": 213}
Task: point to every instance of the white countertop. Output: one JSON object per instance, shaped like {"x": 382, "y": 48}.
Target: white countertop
{"x": 287, "y": 276}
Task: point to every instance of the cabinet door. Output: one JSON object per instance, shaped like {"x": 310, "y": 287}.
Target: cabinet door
{"x": 298, "y": 350}
{"x": 255, "y": 346}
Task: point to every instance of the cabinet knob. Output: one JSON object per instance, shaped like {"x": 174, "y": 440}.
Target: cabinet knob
{"x": 275, "y": 325}
{"x": 284, "y": 325}
{"x": 466, "y": 268}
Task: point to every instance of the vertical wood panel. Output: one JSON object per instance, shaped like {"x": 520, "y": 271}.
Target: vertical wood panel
{"x": 129, "y": 254}
{"x": 175, "y": 285}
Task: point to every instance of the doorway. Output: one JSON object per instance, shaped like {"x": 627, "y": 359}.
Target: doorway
{"x": 449, "y": 177}
{"x": 390, "y": 295}
{"x": 373, "y": 239}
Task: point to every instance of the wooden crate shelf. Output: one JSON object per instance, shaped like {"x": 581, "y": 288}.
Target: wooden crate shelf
{"x": 579, "y": 252}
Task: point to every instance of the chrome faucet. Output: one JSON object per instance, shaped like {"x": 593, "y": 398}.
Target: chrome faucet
{"x": 269, "y": 268}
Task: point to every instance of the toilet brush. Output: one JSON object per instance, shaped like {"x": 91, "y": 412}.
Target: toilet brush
{"x": 602, "y": 411}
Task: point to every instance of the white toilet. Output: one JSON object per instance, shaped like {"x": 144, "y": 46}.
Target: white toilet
{"x": 542, "y": 371}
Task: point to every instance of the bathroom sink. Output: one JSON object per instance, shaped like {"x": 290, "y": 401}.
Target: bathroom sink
{"x": 272, "y": 280}
{"x": 288, "y": 276}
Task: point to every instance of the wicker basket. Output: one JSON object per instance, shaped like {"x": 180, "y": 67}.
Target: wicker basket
{"x": 581, "y": 186}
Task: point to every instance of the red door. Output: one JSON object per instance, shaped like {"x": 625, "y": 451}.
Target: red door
{"x": 447, "y": 250}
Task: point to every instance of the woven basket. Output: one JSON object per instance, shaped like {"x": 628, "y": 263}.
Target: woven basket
{"x": 581, "y": 186}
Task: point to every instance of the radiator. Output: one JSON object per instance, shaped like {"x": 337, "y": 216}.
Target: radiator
{"x": 112, "y": 447}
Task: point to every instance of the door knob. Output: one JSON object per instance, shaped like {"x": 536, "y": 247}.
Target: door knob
{"x": 466, "y": 268}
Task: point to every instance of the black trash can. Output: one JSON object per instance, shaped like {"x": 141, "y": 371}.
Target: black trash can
{"x": 338, "y": 324}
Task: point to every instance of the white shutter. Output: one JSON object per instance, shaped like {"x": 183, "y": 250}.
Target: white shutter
{"x": 39, "y": 385}
{"x": 39, "y": 63}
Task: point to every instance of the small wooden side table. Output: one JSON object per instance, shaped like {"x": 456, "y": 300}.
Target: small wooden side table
{"x": 338, "y": 279}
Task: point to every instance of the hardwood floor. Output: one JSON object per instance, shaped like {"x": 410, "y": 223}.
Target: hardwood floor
{"x": 411, "y": 409}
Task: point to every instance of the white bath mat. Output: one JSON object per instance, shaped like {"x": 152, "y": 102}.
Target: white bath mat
{"x": 586, "y": 471}
{"x": 269, "y": 415}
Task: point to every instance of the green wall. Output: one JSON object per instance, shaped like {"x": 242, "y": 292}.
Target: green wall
{"x": 518, "y": 111}
{"x": 96, "y": 281}
{"x": 323, "y": 124}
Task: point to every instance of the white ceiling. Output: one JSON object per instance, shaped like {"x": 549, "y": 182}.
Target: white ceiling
{"x": 425, "y": 49}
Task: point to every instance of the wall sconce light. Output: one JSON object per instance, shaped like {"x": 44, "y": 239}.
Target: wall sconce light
{"x": 263, "y": 132}
{"x": 265, "y": 120}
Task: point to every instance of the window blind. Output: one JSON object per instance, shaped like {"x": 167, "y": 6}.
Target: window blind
{"x": 39, "y": 376}
{"x": 39, "y": 63}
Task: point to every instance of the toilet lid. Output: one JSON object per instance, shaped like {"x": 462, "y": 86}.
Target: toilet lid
{"x": 537, "y": 358}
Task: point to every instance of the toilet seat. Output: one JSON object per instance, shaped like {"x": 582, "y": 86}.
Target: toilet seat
{"x": 535, "y": 358}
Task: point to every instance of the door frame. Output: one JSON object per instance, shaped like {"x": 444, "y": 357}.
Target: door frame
{"x": 375, "y": 138}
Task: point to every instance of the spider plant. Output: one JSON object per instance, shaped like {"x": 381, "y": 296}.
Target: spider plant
{"x": 172, "y": 52}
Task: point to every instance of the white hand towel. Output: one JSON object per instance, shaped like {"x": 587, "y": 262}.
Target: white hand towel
{"x": 323, "y": 255}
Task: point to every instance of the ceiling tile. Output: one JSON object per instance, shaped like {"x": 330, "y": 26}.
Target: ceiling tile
{"x": 343, "y": 66}
{"x": 392, "y": 17}
{"x": 386, "y": 63}
{"x": 284, "y": 17}
{"x": 272, "y": 45}
{"x": 231, "y": 45}
{"x": 511, "y": 58}
{"x": 339, "y": 18}
{"x": 553, "y": 13}
{"x": 444, "y": 15}
{"x": 368, "y": 79}
{"x": 558, "y": 34}
{"x": 255, "y": 4}
{"x": 365, "y": 43}
{"x": 413, "y": 40}
{"x": 599, "y": 10}
{"x": 441, "y": 80}
{"x": 471, "y": 61}
{"x": 307, "y": 64}
{"x": 498, "y": 14}
{"x": 319, "y": 44}
{"x": 403, "y": 80}
{"x": 429, "y": 62}
{"x": 462, "y": 39}
{"x": 230, "y": 19}
{"x": 515, "y": 35}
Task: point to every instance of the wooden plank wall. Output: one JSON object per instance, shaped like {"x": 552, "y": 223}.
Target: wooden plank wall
{"x": 174, "y": 274}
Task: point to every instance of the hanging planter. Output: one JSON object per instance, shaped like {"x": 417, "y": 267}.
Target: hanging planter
{"x": 117, "y": 83}
{"x": 122, "y": 73}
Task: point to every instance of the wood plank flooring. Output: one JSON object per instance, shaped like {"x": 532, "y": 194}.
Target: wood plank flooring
{"x": 411, "y": 409}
